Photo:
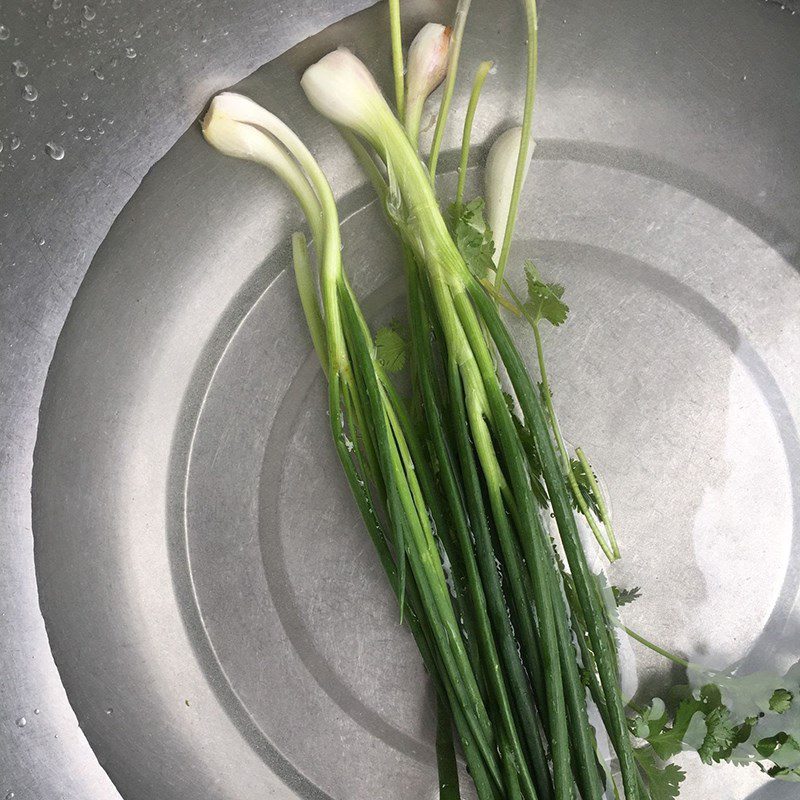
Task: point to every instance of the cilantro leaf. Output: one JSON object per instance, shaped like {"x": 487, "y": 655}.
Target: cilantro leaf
{"x": 651, "y": 721}
{"x": 720, "y": 735}
{"x": 544, "y": 299}
{"x": 391, "y": 347}
{"x": 780, "y": 701}
{"x": 662, "y": 782}
{"x": 782, "y": 749}
{"x": 473, "y": 236}
{"x": 688, "y": 729}
{"x": 625, "y": 596}
{"x": 585, "y": 486}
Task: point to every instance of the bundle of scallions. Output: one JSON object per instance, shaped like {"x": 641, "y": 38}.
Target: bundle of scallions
{"x": 467, "y": 490}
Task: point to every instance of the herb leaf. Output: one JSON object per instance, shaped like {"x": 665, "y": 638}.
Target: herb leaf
{"x": 731, "y": 718}
{"x": 544, "y": 299}
{"x": 473, "y": 236}
{"x": 780, "y": 701}
{"x": 585, "y": 486}
{"x": 391, "y": 348}
{"x": 720, "y": 735}
{"x": 625, "y": 596}
{"x": 663, "y": 782}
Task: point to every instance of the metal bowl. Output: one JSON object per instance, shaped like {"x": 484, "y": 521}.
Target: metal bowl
{"x": 217, "y": 618}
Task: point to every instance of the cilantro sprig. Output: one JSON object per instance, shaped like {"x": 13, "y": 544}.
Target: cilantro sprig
{"x": 473, "y": 236}
{"x": 750, "y": 719}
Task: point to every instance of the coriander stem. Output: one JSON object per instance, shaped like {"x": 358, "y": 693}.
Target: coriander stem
{"x": 459, "y": 22}
{"x": 477, "y": 85}
{"x": 397, "y": 56}
{"x": 531, "y": 18}
{"x": 681, "y": 662}
{"x": 605, "y": 517}
{"x": 562, "y": 448}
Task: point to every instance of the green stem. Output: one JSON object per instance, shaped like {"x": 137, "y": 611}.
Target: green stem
{"x": 611, "y": 551}
{"x": 306, "y": 288}
{"x": 525, "y": 140}
{"x": 477, "y": 85}
{"x": 367, "y": 163}
{"x": 562, "y": 449}
{"x": 526, "y": 705}
{"x": 443, "y": 526}
{"x": 681, "y": 662}
{"x": 449, "y": 85}
{"x": 585, "y": 585}
{"x": 584, "y": 745}
{"x": 446, "y": 754}
{"x": 540, "y": 562}
{"x": 510, "y": 771}
{"x": 397, "y": 56}
{"x": 405, "y": 512}
{"x": 605, "y": 517}
{"x": 470, "y": 522}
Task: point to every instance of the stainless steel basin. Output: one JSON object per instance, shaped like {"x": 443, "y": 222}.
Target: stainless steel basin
{"x": 190, "y": 606}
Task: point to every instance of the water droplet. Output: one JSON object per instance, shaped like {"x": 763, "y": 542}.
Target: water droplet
{"x": 1, "y": 145}
{"x": 57, "y": 4}
{"x": 4, "y": 33}
{"x": 29, "y": 92}
{"x": 84, "y": 96}
{"x": 22, "y": 722}
{"x": 10, "y": 796}
{"x": 37, "y": 711}
{"x": 99, "y": 75}
{"x": 130, "y": 52}
{"x": 89, "y": 13}
{"x": 109, "y": 711}
{"x": 204, "y": 38}
{"x": 20, "y": 68}
{"x": 15, "y": 142}
{"x": 55, "y": 151}
{"x": 70, "y": 115}
{"x": 41, "y": 241}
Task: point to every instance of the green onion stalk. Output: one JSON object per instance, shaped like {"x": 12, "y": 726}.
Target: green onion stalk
{"x": 464, "y": 310}
{"x": 453, "y": 489}
{"x": 372, "y": 432}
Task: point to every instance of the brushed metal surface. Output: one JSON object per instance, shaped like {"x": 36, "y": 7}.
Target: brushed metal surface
{"x": 217, "y": 618}
{"x": 53, "y": 216}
